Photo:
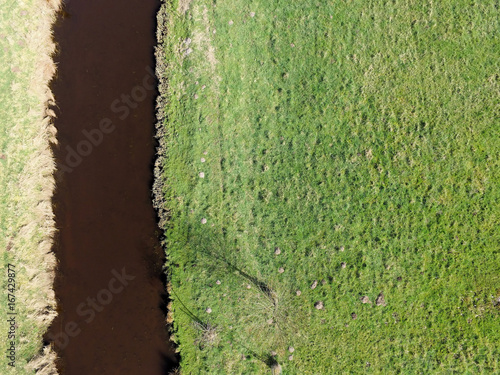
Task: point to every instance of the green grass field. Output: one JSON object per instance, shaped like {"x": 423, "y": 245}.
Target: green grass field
{"x": 26, "y": 166}
{"x": 361, "y": 138}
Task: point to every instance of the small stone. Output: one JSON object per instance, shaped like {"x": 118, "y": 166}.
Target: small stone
{"x": 314, "y": 284}
{"x": 291, "y": 349}
{"x": 208, "y": 310}
{"x": 277, "y": 251}
{"x": 231, "y": 22}
{"x": 249, "y": 286}
{"x": 292, "y": 45}
{"x": 380, "y": 301}
{"x": 365, "y": 299}
{"x": 270, "y": 321}
{"x": 252, "y": 14}
{"x": 290, "y": 357}
{"x": 343, "y": 264}
{"x": 218, "y": 282}
{"x": 273, "y": 353}
{"x": 202, "y": 160}
{"x": 341, "y": 248}
{"x": 203, "y": 221}
{"x": 203, "y": 87}
{"x": 298, "y": 292}
{"x": 196, "y": 96}
{"x": 319, "y": 305}
{"x": 205, "y": 152}
{"x": 202, "y": 174}
{"x": 281, "y": 270}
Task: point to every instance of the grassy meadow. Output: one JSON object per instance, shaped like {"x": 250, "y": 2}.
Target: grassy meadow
{"x": 331, "y": 173}
{"x": 26, "y": 165}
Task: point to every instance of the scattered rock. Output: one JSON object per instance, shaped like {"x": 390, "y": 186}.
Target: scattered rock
{"x": 276, "y": 368}
{"x": 270, "y": 321}
{"x": 277, "y": 251}
{"x": 249, "y": 286}
{"x": 230, "y": 22}
{"x": 380, "y": 301}
{"x": 365, "y": 299}
{"x": 203, "y": 221}
{"x": 208, "y": 310}
{"x": 281, "y": 270}
{"x": 354, "y": 316}
{"x": 319, "y": 305}
{"x": 291, "y": 349}
{"x": 252, "y": 14}
{"x": 170, "y": 317}
{"x": 273, "y": 353}
{"x": 202, "y": 160}
{"x": 323, "y": 282}
{"x": 341, "y": 248}
{"x": 202, "y": 174}
{"x": 343, "y": 264}
{"x": 290, "y": 357}
{"x": 314, "y": 284}
{"x": 218, "y": 282}
{"x": 298, "y": 292}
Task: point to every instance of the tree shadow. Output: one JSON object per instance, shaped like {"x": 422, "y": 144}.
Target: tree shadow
{"x": 212, "y": 246}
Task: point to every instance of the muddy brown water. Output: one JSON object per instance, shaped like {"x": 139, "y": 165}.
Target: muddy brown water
{"x": 108, "y": 285}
